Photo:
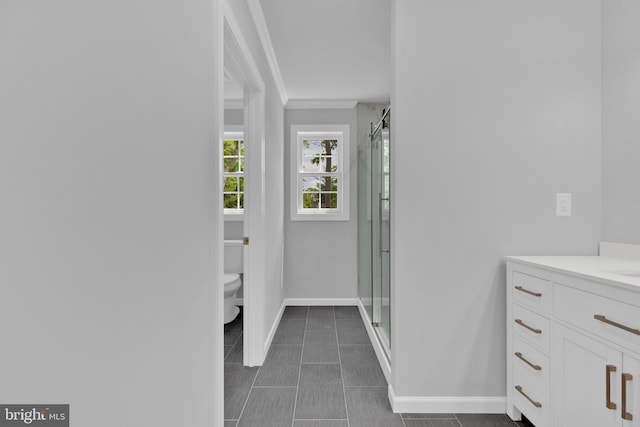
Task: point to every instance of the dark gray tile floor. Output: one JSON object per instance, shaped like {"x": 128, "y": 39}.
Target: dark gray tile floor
{"x": 321, "y": 371}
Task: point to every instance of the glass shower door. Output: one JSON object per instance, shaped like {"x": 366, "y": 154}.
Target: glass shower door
{"x": 364, "y": 227}
{"x": 380, "y": 233}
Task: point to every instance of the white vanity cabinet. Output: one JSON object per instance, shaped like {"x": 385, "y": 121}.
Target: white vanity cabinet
{"x": 529, "y": 331}
{"x": 589, "y": 382}
{"x": 573, "y": 345}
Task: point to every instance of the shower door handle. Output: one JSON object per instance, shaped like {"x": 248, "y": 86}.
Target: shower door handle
{"x": 380, "y": 199}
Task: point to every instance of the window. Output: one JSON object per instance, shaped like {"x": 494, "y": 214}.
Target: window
{"x": 233, "y": 175}
{"x": 320, "y": 172}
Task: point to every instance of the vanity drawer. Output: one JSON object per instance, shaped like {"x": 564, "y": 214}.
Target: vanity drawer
{"x": 531, "y": 374}
{"x": 534, "y": 328}
{"x": 532, "y": 291}
{"x": 610, "y": 319}
{"x": 531, "y": 392}
{"x": 532, "y": 363}
{"x": 526, "y": 399}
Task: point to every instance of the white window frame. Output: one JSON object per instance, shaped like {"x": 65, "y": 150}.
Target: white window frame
{"x": 235, "y": 132}
{"x": 342, "y": 134}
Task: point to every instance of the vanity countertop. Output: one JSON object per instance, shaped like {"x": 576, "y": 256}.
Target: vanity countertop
{"x": 617, "y": 265}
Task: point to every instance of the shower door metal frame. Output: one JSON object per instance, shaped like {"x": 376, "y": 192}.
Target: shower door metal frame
{"x": 378, "y": 250}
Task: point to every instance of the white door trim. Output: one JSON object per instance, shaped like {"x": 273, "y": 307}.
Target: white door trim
{"x": 239, "y": 62}
{"x": 215, "y": 317}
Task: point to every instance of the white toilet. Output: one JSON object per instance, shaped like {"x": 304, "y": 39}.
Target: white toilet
{"x": 233, "y": 265}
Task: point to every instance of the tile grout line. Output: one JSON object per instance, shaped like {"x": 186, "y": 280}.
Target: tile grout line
{"x": 232, "y": 347}
{"x": 225, "y": 363}
{"x": 235, "y": 342}
{"x": 248, "y": 394}
{"x": 344, "y": 390}
{"x": 238, "y": 340}
{"x": 295, "y": 401}
{"x": 254, "y": 388}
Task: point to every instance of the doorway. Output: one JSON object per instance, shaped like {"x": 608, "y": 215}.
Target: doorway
{"x": 240, "y": 66}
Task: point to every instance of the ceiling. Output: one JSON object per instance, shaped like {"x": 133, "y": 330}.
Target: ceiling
{"x": 332, "y": 49}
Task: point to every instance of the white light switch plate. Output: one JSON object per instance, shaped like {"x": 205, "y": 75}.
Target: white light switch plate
{"x": 563, "y": 204}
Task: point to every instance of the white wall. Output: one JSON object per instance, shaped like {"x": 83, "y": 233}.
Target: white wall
{"x": 495, "y": 108}
{"x": 108, "y": 219}
{"x": 233, "y": 230}
{"x": 274, "y": 171}
{"x": 321, "y": 256}
{"x": 233, "y": 117}
{"x": 620, "y": 125}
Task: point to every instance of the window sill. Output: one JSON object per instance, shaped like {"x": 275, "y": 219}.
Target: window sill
{"x": 320, "y": 216}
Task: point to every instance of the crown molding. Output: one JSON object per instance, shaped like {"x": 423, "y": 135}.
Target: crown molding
{"x": 310, "y": 104}
{"x": 265, "y": 39}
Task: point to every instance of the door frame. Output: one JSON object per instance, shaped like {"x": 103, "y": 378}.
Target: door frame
{"x": 239, "y": 62}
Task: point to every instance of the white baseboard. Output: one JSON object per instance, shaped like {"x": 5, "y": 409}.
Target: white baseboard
{"x": 447, "y": 404}
{"x": 320, "y": 301}
{"x": 239, "y": 301}
{"x": 369, "y": 301}
{"x": 274, "y": 328}
{"x": 384, "y": 362}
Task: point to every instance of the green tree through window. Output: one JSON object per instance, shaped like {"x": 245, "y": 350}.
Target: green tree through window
{"x": 233, "y": 158}
{"x": 320, "y": 191}
{"x": 320, "y": 172}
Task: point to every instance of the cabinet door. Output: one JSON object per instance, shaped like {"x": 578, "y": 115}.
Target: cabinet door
{"x": 631, "y": 367}
{"x": 583, "y": 369}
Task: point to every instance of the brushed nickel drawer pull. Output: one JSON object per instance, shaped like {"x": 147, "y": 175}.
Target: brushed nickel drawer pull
{"x": 609, "y": 369}
{"x": 519, "y": 356}
{"x": 524, "y": 325}
{"x": 625, "y": 415}
{"x": 603, "y": 319}
{"x": 533, "y": 402}
{"x": 527, "y": 291}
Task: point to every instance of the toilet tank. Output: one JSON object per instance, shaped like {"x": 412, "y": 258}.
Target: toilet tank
{"x": 233, "y": 256}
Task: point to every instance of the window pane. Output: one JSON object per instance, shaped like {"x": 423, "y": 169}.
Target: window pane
{"x": 231, "y": 164}
{"x": 319, "y": 163}
{"x": 317, "y": 146}
{"x": 231, "y": 201}
{"x": 329, "y": 200}
{"x": 310, "y": 200}
{"x": 233, "y": 181}
{"x": 330, "y": 164}
{"x": 230, "y": 184}
{"x": 309, "y": 164}
{"x": 231, "y": 147}
{"x": 311, "y": 147}
{"x": 329, "y": 183}
{"x": 309, "y": 183}
{"x": 319, "y": 183}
